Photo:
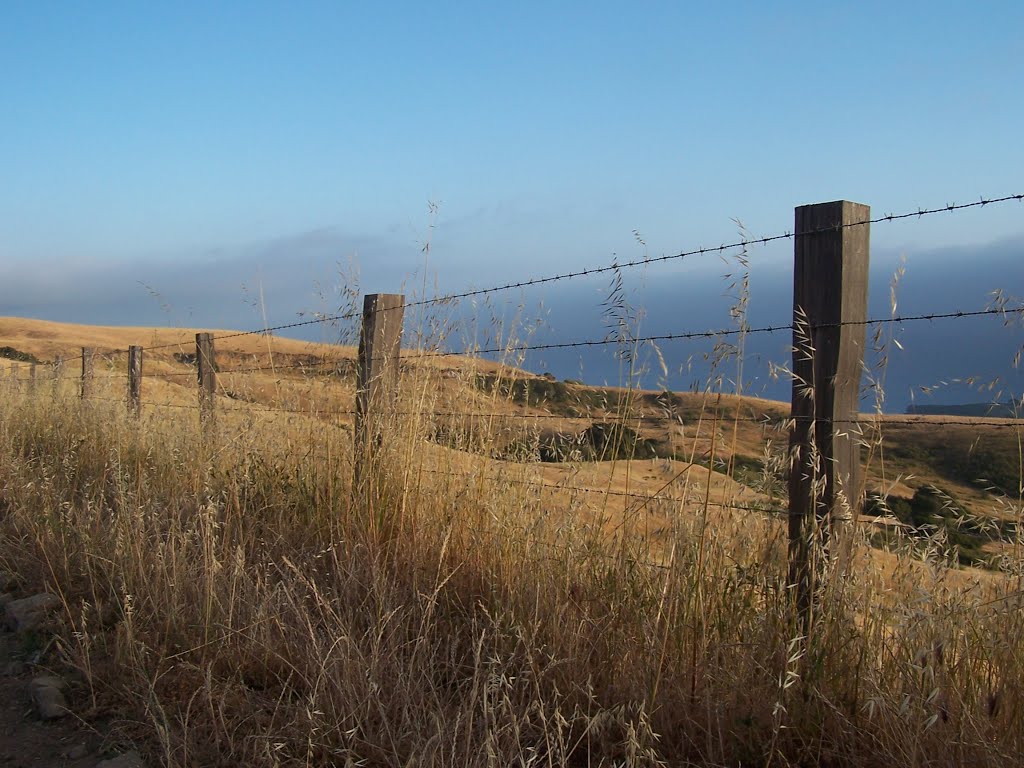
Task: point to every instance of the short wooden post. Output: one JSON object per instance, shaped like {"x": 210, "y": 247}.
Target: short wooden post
{"x": 830, "y": 291}
{"x": 31, "y": 378}
{"x": 380, "y": 343}
{"x": 206, "y": 362}
{"x": 134, "y": 380}
{"x": 88, "y": 372}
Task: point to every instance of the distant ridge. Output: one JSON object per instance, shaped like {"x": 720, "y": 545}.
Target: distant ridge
{"x": 1007, "y": 410}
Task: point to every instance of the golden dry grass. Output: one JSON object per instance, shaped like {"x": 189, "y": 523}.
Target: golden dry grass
{"x": 239, "y": 605}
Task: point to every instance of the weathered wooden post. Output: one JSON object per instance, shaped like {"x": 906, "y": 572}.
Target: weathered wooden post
{"x": 206, "y": 363}
{"x": 830, "y": 290}
{"x": 380, "y": 342}
{"x": 134, "y": 380}
{"x": 58, "y": 373}
{"x": 31, "y": 378}
{"x": 88, "y": 372}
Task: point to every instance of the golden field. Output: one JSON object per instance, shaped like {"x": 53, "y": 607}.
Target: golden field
{"x": 229, "y": 600}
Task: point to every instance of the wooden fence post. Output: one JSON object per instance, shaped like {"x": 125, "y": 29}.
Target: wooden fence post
{"x": 32, "y": 378}
{"x": 134, "y": 380}
{"x": 206, "y": 362}
{"x": 380, "y": 343}
{"x": 88, "y": 372}
{"x": 58, "y": 373}
{"x": 830, "y": 290}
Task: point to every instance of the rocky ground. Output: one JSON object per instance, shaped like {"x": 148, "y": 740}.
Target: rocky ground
{"x": 38, "y": 725}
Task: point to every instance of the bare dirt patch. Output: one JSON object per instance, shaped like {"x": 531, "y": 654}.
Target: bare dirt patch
{"x": 25, "y": 740}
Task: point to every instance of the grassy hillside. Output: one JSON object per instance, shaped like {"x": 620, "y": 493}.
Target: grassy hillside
{"x": 1008, "y": 410}
{"x": 533, "y": 572}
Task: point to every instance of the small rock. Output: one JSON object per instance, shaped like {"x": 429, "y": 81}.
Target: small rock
{"x": 27, "y": 614}
{"x": 127, "y": 760}
{"x": 47, "y": 694}
{"x": 77, "y": 752}
{"x": 49, "y": 681}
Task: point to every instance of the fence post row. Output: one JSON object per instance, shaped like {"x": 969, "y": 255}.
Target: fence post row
{"x": 88, "y": 372}
{"x": 206, "y": 365}
{"x": 830, "y": 289}
{"x": 134, "y": 380}
{"x": 380, "y": 342}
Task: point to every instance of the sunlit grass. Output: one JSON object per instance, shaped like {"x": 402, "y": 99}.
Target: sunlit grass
{"x": 231, "y": 592}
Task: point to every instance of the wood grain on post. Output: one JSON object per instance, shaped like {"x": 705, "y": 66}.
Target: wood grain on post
{"x": 88, "y": 372}
{"x": 380, "y": 343}
{"x": 206, "y": 363}
{"x": 830, "y": 290}
{"x": 134, "y": 380}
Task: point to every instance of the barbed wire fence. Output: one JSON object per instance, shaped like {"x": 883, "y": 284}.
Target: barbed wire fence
{"x": 815, "y": 425}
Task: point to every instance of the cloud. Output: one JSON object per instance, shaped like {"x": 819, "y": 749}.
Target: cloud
{"x": 215, "y": 289}
{"x": 300, "y": 272}
{"x": 940, "y": 352}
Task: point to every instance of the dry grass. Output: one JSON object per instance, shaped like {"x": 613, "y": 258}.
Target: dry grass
{"x": 229, "y": 597}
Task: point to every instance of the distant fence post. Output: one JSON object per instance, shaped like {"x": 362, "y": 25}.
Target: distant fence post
{"x": 830, "y": 289}
{"x": 380, "y": 342}
{"x": 134, "y": 380}
{"x": 206, "y": 362}
{"x": 88, "y": 372}
{"x": 58, "y": 373}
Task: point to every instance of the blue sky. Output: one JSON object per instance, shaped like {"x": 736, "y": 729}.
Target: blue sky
{"x": 146, "y": 143}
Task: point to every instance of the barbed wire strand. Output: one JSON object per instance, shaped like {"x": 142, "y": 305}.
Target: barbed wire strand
{"x": 617, "y": 265}
{"x": 681, "y": 336}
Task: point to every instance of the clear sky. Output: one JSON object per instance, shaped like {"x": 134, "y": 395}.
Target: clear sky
{"x": 152, "y": 142}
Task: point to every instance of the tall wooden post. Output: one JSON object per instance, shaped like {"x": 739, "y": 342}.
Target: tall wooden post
{"x": 206, "y": 362}
{"x": 830, "y": 291}
{"x": 88, "y": 372}
{"x": 380, "y": 342}
{"x": 134, "y": 380}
